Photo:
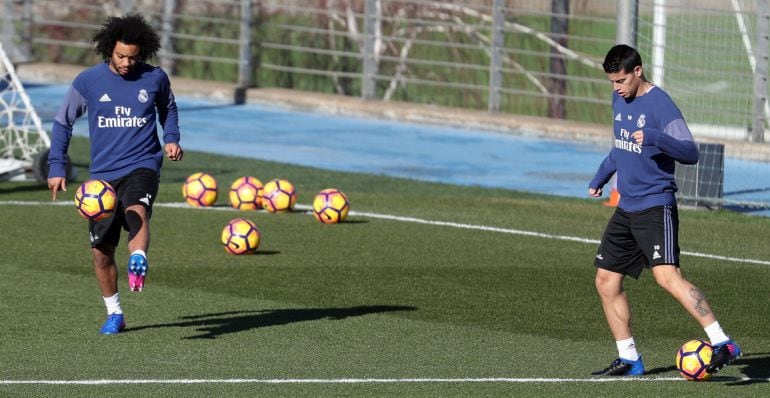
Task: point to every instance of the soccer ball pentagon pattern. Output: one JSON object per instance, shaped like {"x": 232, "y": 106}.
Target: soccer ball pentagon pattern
{"x": 246, "y": 193}
{"x": 95, "y": 199}
{"x": 331, "y": 206}
{"x": 278, "y": 196}
{"x": 692, "y": 359}
{"x": 241, "y": 236}
{"x": 200, "y": 190}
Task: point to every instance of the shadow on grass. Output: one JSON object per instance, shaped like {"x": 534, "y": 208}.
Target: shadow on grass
{"x": 211, "y": 326}
{"x": 660, "y": 370}
{"x": 755, "y": 368}
{"x": 266, "y": 252}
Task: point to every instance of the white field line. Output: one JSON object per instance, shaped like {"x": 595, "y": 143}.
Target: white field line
{"x": 428, "y": 222}
{"x": 363, "y": 380}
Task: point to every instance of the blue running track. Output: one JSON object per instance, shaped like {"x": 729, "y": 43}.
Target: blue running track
{"x": 423, "y": 152}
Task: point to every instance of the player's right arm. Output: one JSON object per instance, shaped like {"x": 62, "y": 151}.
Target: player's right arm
{"x": 606, "y": 169}
{"x": 73, "y": 107}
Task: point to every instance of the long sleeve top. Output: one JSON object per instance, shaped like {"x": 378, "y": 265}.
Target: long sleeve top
{"x": 645, "y": 173}
{"x": 122, "y": 116}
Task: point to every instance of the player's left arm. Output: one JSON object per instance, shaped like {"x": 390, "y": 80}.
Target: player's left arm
{"x": 168, "y": 117}
{"x": 670, "y": 133}
{"x": 675, "y": 141}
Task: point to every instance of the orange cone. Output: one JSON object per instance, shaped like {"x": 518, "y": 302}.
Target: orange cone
{"x": 614, "y": 199}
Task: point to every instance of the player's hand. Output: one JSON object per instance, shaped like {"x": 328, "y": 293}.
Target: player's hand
{"x": 55, "y": 184}
{"x": 638, "y": 137}
{"x": 595, "y": 192}
{"x": 174, "y": 151}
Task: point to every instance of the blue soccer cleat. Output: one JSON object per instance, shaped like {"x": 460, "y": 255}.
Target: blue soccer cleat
{"x": 137, "y": 269}
{"x": 723, "y": 354}
{"x": 622, "y": 367}
{"x": 113, "y": 325}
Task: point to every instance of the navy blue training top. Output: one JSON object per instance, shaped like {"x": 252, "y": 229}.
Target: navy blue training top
{"x": 645, "y": 174}
{"x": 122, "y": 116}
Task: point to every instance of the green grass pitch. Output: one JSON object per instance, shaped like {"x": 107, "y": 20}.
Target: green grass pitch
{"x": 370, "y": 307}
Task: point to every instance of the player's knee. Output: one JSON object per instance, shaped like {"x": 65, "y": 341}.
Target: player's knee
{"x": 608, "y": 284}
{"x": 663, "y": 281}
{"x": 671, "y": 285}
{"x": 103, "y": 257}
{"x": 135, "y": 222}
{"x": 667, "y": 277}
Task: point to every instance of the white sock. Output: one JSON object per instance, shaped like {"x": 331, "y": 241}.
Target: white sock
{"x": 627, "y": 349}
{"x": 113, "y": 304}
{"x": 716, "y": 335}
{"x": 139, "y": 251}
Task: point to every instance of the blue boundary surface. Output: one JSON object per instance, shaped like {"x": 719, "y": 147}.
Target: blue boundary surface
{"x": 423, "y": 152}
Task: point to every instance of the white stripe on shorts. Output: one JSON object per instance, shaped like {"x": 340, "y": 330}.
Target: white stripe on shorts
{"x": 668, "y": 236}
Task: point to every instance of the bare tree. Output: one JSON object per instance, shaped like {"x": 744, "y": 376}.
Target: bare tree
{"x": 558, "y": 66}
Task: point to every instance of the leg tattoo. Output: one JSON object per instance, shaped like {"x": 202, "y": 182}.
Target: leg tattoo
{"x": 700, "y": 300}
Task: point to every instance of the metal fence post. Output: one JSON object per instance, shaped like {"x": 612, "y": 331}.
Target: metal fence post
{"x": 244, "y": 57}
{"x": 626, "y": 27}
{"x": 27, "y": 28}
{"x": 166, "y": 30}
{"x": 496, "y": 59}
{"x": 7, "y": 31}
{"x": 369, "y": 81}
{"x": 760, "y": 74}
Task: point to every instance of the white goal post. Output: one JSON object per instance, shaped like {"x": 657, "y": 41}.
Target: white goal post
{"x": 22, "y": 138}
{"x": 711, "y": 57}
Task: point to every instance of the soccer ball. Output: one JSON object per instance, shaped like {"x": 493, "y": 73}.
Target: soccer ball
{"x": 692, "y": 359}
{"x": 246, "y": 193}
{"x": 278, "y": 196}
{"x": 331, "y": 206}
{"x": 200, "y": 190}
{"x": 241, "y": 236}
{"x": 95, "y": 199}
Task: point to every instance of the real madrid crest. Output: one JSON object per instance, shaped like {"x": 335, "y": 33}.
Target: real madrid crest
{"x": 641, "y": 121}
{"x": 143, "y": 96}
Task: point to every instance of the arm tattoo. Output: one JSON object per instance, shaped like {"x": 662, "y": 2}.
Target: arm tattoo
{"x": 700, "y": 300}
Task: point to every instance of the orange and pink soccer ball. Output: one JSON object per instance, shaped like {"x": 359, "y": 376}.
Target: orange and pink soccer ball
{"x": 200, "y": 190}
{"x": 246, "y": 193}
{"x": 692, "y": 359}
{"x": 278, "y": 196}
{"x": 331, "y": 206}
{"x": 95, "y": 199}
{"x": 241, "y": 236}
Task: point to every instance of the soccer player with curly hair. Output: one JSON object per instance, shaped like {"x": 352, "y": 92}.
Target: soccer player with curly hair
{"x": 124, "y": 97}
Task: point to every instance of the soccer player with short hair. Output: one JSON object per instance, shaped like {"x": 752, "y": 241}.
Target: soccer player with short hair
{"x": 124, "y": 98}
{"x": 650, "y": 136}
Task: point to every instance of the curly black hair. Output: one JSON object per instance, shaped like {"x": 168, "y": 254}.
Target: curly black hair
{"x": 131, "y": 29}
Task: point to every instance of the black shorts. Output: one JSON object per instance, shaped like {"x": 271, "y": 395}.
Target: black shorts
{"x": 137, "y": 187}
{"x": 633, "y": 241}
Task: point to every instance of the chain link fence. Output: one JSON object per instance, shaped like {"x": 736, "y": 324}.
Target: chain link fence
{"x": 521, "y": 57}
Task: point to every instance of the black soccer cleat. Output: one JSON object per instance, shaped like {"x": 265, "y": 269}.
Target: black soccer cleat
{"x": 622, "y": 367}
{"x": 723, "y": 354}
